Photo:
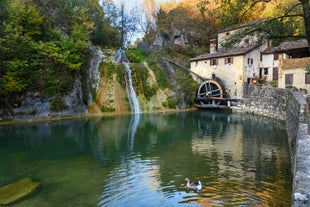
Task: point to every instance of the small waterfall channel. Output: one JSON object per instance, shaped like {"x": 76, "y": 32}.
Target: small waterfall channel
{"x": 94, "y": 73}
{"x": 133, "y": 100}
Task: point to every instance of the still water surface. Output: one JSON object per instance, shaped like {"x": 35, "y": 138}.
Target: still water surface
{"x": 143, "y": 159}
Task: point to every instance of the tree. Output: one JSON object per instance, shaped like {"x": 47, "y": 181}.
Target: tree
{"x": 120, "y": 19}
{"x": 184, "y": 20}
{"x": 306, "y": 16}
{"x": 149, "y": 8}
{"x": 21, "y": 27}
{"x": 286, "y": 19}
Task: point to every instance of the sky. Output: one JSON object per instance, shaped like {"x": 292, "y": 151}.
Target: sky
{"x": 129, "y": 4}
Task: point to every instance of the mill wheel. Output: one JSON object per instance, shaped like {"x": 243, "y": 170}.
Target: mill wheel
{"x": 210, "y": 95}
{"x": 210, "y": 88}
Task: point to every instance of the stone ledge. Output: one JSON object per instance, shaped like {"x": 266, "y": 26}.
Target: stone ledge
{"x": 301, "y": 183}
{"x": 16, "y": 191}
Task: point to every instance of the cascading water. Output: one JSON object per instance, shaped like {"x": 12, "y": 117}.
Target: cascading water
{"x": 134, "y": 103}
{"x": 133, "y": 100}
{"x": 94, "y": 74}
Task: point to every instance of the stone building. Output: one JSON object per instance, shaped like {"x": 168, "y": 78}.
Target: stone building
{"x": 234, "y": 66}
{"x": 290, "y": 60}
{"x": 249, "y": 62}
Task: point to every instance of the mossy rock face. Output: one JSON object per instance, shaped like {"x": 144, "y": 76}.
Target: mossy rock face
{"x": 16, "y": 191}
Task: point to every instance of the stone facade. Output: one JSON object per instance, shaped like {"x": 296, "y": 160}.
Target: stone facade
{"x": 292, "y": 107}
{"x": 297, "y": 69}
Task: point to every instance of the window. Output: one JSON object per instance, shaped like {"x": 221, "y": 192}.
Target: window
{"x": 261, "y": 56}
{"x": 229, "y": 60}
{"x": 250, "y": 61}
{"x": 307, "y": 78}
{"x": 275, "y": 73}
{"x": 265, "y": 71}
{"x": 213, "y": 62}
{"x": 275, "y": 56}
{"x": 289, "y": 79}
{"x": 196, "y": 63}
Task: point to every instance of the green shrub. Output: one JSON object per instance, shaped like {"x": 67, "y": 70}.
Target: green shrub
{"x": 290, "y": 87}
{"x": 139, "y": 75}
{"x": 58, "y": 103}
{"x": 135, "y": 56}
{"x": 107, "y": 109}
{"x": 171, "y": 103}
{"x": 274, "y": 83}
{"x": 308, "y": 68}
{"x": 120, "y": 71}
{"x": 111, "y": 69}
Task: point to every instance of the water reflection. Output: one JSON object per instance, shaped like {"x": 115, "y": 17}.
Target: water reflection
{"x": 134, "y": 122}
{"x": 142, "y": 160}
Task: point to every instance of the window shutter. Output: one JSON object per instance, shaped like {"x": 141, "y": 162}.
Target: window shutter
{"x": 288, "y": 79}
{"x": 307, "y": 78}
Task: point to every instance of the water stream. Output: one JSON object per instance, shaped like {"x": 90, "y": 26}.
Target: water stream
{"x": 94, "y": 74}
{"x": 120, "y": 57}
{"x": 134, "y": 103}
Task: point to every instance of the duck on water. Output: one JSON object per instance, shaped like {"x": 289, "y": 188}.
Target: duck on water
{"x": 196, "y": 186}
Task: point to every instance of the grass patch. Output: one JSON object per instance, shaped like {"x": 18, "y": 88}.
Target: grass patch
{"x": 135, "y": 56}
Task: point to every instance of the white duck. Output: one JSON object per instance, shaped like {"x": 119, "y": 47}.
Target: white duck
{"x": 196, "y": 186}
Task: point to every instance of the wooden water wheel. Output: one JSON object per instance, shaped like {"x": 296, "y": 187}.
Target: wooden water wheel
{"x": 210, "y": 88}
{"x": 210, "y": 95}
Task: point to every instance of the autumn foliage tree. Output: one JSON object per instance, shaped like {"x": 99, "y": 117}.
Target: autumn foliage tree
{"x": 284, "y": 19}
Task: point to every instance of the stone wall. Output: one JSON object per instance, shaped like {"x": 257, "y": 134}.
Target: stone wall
{"x": 291, "y": 107}
{"x": 265, "y": 101}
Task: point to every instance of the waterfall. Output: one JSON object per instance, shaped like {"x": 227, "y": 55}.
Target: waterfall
{"x": 134, "y": 103}
{"x": 133, "y": 100}
{"x": 94, "y": 74}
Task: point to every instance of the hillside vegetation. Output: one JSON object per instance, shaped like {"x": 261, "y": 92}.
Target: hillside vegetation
{"x": 44, "y": 44}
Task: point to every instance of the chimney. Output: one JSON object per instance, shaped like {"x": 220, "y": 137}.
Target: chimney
{"x": 213, "y": 46}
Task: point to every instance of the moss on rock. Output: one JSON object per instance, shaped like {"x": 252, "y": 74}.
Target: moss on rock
{"x": 18, "y": 190}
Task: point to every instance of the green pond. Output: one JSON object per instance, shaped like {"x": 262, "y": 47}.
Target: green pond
{"x": 143, "y": 159}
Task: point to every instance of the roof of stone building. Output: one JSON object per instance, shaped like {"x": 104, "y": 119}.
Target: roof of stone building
{"x": 225, "y": 53}
{"x": 287, "y": 46}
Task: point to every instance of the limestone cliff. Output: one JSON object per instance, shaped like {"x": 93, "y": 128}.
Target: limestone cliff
{"x": 102, "y": 90}
{"x": 111, "y": 97}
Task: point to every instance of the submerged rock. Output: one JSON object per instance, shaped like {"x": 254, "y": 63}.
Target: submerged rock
{"x": 18, "y": 190}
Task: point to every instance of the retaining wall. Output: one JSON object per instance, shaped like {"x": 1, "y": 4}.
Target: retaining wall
{"x": 291, "y": 107}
